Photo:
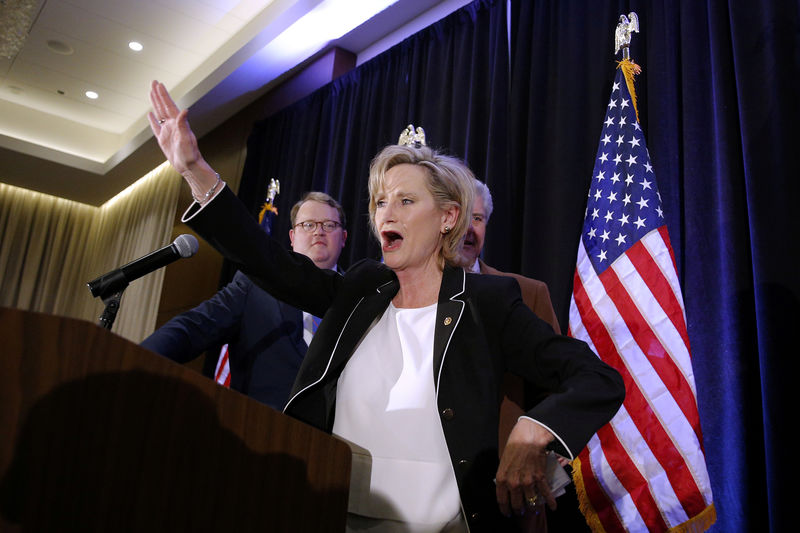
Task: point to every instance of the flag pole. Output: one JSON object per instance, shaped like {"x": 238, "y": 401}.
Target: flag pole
{"x": 622, "y": 41}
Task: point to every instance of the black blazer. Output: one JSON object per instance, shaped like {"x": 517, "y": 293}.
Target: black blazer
{"x": 483, "y": 328}
{"x": 264, "y": 337}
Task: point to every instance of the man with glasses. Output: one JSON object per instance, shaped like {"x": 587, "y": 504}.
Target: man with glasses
{"x": 267, "y": 339}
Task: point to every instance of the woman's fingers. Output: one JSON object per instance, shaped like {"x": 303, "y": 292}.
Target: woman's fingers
{"x": 164, "y": 106}
{"x": 502, "y": 498}
{"x": 156, "y": 100}
{"x": 517, "y": 500}
{"x": 155, "y": 125}
{"x": 523, "y": 499}
{"x": 548, "y": 497}
{"x": 169, "y": 106}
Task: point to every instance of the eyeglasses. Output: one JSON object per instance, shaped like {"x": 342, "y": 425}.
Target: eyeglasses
{"x": 310, "y": 226}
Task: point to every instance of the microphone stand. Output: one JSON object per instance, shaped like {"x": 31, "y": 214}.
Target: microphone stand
{"x": 112, "y": 301}
{"x": 109, "y": 286}
{"x": 110, "y": 313}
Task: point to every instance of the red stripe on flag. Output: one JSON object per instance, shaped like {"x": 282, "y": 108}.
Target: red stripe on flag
{"x": 631, "y": 478}
{"x": 662, "y": 291}
{"x": 603, "y": 507}
{"x": 654, "y": 278}
{"x": 659, "y": 442}
{"x": 223, "y": 368}
{"x": 651, "y": 347}
{"x": 635, "y": 404}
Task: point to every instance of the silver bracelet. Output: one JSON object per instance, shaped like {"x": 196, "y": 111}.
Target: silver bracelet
{"x": 209, "y": 193}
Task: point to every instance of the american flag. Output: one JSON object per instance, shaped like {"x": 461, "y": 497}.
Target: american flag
{"x": 645, "y": 470}
{"x": 222, "y": 374}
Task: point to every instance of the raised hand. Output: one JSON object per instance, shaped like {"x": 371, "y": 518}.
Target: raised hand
{"x": 176, "y": 139}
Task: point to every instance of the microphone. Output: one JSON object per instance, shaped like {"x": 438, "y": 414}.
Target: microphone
{"x": 116, "y": 280}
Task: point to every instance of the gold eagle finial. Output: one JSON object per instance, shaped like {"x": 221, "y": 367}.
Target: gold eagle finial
{"x": 410, "y": 137}
{"x": 622, "y": 35}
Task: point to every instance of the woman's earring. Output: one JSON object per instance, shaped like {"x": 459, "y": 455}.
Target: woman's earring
{"x": 446, "y": 230}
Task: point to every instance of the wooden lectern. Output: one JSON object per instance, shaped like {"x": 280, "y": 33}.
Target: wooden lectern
{"x": 99, "y": 434}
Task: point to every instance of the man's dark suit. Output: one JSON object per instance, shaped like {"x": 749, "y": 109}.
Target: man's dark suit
{"x": 264, "y": 337}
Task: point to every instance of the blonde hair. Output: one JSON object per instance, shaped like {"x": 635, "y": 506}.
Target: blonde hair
{"x": 449, "y": 181}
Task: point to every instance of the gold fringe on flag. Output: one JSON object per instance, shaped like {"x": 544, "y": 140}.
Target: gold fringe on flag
{"x": 264, "y": 208}
{"x": 629, "y": 70}
{"x": 586, "y": 508}
{"x": 697, "y": 524}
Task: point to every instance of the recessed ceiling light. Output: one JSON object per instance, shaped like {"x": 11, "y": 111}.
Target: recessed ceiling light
{"x": 136, "y": 47}
{"x": 91, "y": 94}
{"x": 59, "y": 47}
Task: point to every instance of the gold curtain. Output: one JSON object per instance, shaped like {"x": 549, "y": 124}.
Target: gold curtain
{"x": 50, "y": 248}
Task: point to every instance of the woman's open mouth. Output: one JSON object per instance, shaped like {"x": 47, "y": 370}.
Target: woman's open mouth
{"x": 391, "y": 240}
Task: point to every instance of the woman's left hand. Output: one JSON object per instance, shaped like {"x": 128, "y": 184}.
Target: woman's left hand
{"x": 176, "y": 139}
{"x": 521, "y": 477}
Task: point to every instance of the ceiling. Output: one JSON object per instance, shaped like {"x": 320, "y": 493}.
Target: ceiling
{"x": 55, "y": 139}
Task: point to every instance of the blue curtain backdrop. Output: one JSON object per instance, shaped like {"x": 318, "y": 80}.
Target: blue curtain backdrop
{"x": 718, "y": 101}
{"x": 445, "y": 78}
